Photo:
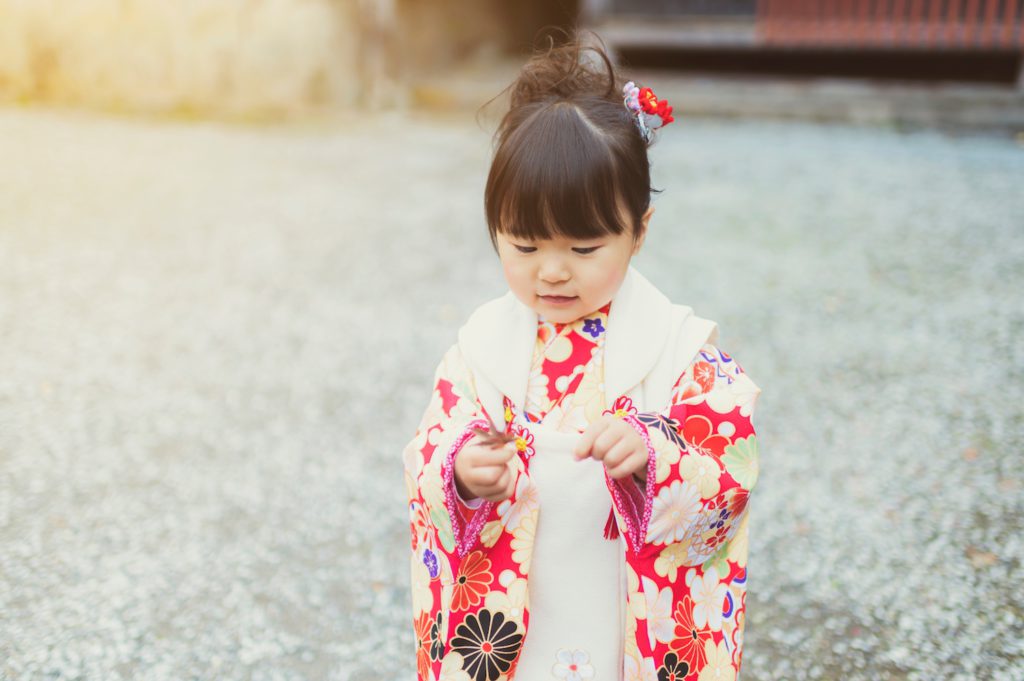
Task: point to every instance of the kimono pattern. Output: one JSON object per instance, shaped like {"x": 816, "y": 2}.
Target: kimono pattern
{"x": 565, "y": 379}
{"x": 565, "y": 375}
{"x": 684, "y": 529}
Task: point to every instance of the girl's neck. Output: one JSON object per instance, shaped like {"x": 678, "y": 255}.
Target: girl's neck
{"x": 559, "y": 326}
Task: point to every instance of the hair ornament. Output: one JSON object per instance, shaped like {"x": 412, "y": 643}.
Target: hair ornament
{"x": 651, "y": 113}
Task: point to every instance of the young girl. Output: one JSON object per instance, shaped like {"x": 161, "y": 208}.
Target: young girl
{"x": 604, "y": 537}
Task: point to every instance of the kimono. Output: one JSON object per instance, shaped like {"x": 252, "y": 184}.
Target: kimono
{"x": 682, "y": 531}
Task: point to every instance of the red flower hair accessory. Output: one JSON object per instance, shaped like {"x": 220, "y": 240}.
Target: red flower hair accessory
{"x": 651, "y": 113}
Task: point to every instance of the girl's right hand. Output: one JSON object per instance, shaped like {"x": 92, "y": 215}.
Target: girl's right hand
{"x": 482, "y": 471}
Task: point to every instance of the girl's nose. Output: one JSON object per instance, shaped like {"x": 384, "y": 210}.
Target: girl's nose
{"x": 553, "y": 270}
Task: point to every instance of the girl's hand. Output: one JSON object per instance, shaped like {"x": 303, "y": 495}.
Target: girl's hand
{"x": 613, "y": 442}
{"x": 482, "y": 471}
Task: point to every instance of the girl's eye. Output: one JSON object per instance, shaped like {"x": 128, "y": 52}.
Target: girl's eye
{"x": 585, "y": 251}
{"x": 526, "y": 249}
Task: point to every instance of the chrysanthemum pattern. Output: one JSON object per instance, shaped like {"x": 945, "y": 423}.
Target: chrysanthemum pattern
{"x": 687, "y": 581}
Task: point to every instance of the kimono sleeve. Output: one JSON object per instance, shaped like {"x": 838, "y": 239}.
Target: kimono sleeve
{"x": 702, "y": 459}
{"x": 691, "y": 561}
{"x": 438, "y": 515}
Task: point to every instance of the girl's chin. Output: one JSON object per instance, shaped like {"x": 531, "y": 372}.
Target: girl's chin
{"x": 557, "y": 318}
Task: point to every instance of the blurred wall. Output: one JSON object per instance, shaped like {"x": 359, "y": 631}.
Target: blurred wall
{"x": 249, "y": 58}
{"x": 233, "y": 57}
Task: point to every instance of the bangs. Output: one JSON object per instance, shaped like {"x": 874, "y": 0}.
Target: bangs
{"x": 557, "y": 175}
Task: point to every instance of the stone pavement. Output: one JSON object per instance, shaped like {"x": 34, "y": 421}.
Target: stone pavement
{"x": 215, "y": 341}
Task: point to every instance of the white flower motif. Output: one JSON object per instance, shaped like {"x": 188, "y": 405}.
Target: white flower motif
{"x": 422, "y": 596}
{"x": 413, "y": 461}
{"x": 537, "y": 390}
{"x": 512, "y": 602}
{"x": 447, "y": 582}
{"x": 741, "y": 393}
{"x": 660, "y": 624}
{"x": 559, "y": 349}
{"x": 708, "y": 595}
{"x": 590, "y": 393}
{"x": 526, "y": 503}
{"x": 702, "y": 471}
{"x": 675, "y": 509}
{"x": 666, "y": 454}
{"x": 522, "y": 542}
{"x": 573, "y": 665}
{"x": 491, "y": 533}
{"x": 637, "y": 604}
{"x": 430, "y": 484}
{"x": 451, "y": 668}
{"x": 670, "y": 560}
{"x": 719, "y": 663}
{"x": 639, "y": 671}
{"x": 465, "y": 407}
{"x": 740, "y": 544}
{"x": 564, "y": 416}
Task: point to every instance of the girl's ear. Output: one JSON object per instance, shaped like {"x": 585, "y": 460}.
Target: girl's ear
{"x": 644, "y": 221}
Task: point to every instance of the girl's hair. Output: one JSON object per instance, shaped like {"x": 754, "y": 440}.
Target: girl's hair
{"x": 570, "y": 159}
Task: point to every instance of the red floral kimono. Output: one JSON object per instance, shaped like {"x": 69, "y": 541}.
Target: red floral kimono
{"x": 684, "y": 532}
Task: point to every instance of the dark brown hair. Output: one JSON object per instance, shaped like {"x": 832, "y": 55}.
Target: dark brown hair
{"x": 569, "y": 160}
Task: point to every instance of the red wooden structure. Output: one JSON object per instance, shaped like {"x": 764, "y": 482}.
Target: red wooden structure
{"x": 927, "y": 24}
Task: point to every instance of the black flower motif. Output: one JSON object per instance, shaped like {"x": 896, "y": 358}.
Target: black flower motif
{"x": 436, "y": 642}
{"x": 488, "y": 644}
{"x": 673, "y": 669}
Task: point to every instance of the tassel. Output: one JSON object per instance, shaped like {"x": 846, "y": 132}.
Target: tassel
{"x": 611, "y": 530}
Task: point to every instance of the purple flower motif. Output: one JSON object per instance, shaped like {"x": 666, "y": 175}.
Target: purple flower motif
{"x": 593, "y": 327}
{"x": 430, "y": 560}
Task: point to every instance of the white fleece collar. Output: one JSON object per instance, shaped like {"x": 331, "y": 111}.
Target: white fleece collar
{"x": 498, "y": 339}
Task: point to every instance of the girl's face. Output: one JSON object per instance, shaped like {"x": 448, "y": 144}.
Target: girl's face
{"x": 563, "y": 279}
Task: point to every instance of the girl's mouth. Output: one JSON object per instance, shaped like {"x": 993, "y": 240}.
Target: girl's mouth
{"x": 558, "y": 300}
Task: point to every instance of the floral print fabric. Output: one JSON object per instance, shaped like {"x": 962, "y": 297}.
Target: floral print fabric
{"x": 686, "y": 573}
{"x": 566, "y": 374}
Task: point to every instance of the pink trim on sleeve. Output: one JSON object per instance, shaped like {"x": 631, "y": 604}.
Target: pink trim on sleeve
{"x": 635, "y": 505}
{"x": 464, "y": 538}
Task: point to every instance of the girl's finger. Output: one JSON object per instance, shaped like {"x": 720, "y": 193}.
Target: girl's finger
{"x": 485, "y": 456}
{"x": 487, "y": 476}
{"x": 503, "y": 447}
{"x": 583, "y": 448}
{"x": 605, "y": 442}
{"x": 618, "y": 453}
{"x": 632, "y": 464}
{"x": 499, "y": 491}
{"x": 501, "y": 482}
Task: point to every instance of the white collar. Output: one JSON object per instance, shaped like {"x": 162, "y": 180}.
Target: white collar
{"x": 498, "y": 339}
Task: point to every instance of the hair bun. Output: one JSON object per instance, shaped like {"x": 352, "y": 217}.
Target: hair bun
{"x": 565, "y": 72}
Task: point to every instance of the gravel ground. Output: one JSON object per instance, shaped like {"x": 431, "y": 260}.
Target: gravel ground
{"x": 214, "y": 342}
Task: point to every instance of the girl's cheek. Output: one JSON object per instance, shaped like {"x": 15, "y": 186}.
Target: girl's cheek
{"x": 509, "y": 269}
{"x": 612, "y": 271}
{"x": 613, "y": 274}
{"x": 515, "y": 275}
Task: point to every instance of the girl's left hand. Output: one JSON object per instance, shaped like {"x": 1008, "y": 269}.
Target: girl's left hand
{"x": 613, "y": 442}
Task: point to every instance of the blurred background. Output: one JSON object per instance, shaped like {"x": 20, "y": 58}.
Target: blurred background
{"x": 236, "y": 236}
